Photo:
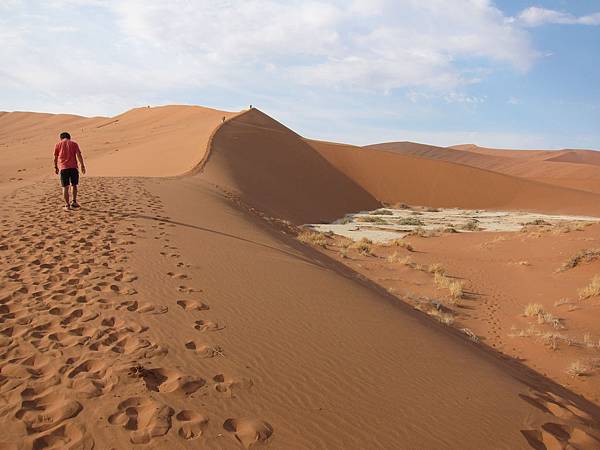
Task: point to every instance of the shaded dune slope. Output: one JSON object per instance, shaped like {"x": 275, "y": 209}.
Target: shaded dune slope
{"x": 392, "y": 177}
{"x": 275, "y": 170}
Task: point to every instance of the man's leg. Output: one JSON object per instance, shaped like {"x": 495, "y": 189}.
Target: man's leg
{"x": 66, "y": 194}
{"x": 74, "y": 183}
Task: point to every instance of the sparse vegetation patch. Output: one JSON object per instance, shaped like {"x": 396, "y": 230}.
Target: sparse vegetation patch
{"x": 382, "y": 212}
{"x": 412, "y": 221}
{"x": 312, "y": 237}
{"x": 578, "y": 369}
{"x": 364, "y": 246}
{"x": 373, "y": 219}
{"x": 591, "y": 290}
{"x": 401, "y": 243}
{"x": 584, "y": 256}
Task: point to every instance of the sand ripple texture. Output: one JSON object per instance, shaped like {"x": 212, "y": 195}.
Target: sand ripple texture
{"x": 80, "y": 364}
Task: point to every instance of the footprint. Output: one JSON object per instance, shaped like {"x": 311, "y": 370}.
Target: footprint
{"x": 204, "y": 350}
{"x": 192, "y": 424}
{"x": 192, "y": 305}
{"x": 187, "y": 290}
{"x": 207, "y": 325}
{"x": 67, "y": 436}
{"x": 249, "y": 431}
{"x": 167, "y": 380}
{"x": 225, "y": 384}
{"x": 47, "y": 411}
{"x": 177, "y": 276}
{"x": 143, "y": 417}
{"x": 143, "y": 308}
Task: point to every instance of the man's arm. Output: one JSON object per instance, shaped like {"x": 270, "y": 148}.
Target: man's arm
{"x": 80, "y": 158}
{"x": 56, "y": 160}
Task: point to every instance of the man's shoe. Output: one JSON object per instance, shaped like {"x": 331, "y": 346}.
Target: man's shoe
{"x": 67, "y": 208}
{"x": 75, "y": 205}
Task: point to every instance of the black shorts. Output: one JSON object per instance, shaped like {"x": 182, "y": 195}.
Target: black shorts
{"x": 69, "y": 177}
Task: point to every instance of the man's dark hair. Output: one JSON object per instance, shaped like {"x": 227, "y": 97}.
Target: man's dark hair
{"x": 65, "y": 135}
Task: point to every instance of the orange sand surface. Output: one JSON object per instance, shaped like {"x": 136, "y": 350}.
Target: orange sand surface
{"x": 182, "y": 312}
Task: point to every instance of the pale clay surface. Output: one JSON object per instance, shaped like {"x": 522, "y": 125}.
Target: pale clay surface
{"x": 354, "y": 227}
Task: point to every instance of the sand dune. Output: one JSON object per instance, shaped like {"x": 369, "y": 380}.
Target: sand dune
{"x": 169, "y": 316}
{"x": 576, "y": 169}
{"x": 393, "y": 177}
{"x": 276, "y": 171}
{"x": 161, "y": 141}
{"x": 577, "y": 157}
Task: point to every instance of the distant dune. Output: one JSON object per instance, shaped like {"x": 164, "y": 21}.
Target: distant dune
{"x": 393, "y": 177}
{"x": 576, "y": 170}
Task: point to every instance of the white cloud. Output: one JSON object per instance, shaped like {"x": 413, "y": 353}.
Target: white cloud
{"x": 535, "y": 16}
{"x": 145, "y": 51}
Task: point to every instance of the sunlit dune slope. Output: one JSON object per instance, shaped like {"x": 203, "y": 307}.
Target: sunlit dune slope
{"x": 393, "y": 177}
{"x": 276, "y": 171}
{"x": 160, "y": 141}
{"x": 575, "y": 169}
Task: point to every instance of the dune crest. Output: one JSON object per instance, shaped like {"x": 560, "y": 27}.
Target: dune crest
{"x": 275, "y": 170}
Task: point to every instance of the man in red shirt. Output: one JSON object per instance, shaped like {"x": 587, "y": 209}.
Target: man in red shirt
{"x": 66, "y": 154}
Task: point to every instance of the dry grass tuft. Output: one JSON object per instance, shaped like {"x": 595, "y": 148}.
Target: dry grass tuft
{"x": 591, "y": 290}
{"x": 401, "y": 243}
{"x": 373, "y": 219}
{"x": 556, "y": 228}
{"x": 543, "y": 317}
{"x": 444, "y": 317}
{"x": 471, "y": 225}
{"x": 578, "y": 369}
{"x": 436, "y": 268}
{"x": 562, "y": 301}
{"x": 412, "y": 221}
{"x": 394, "y": 257}
{"x": 554, "y": 339}
{"x": 364, "y": 247}
{"x": 455, "y": 288}
{"x": 548, "y": 318}
{"x": 407, "y": 261}
{"x": 312, "y": 237}
{"x": 472, "y": 336}
{"x": 433, "y": 308}
{"x": 382, "y": 212}
{"x": 422, "y": 232}
{"x": 538, "y": 222}
{"x": 533, "y": 310}
{"x": 589, "y": 342}
{"x": 584, "y": 256}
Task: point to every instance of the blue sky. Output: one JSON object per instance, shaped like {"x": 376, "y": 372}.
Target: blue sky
{"x": 509, "y": 74}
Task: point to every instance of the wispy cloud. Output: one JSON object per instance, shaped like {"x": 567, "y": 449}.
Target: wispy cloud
{"x": 535, "y": 16}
